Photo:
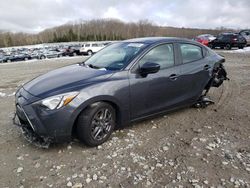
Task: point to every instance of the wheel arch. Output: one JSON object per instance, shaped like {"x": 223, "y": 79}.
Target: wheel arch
{"x": 107, "y": 99}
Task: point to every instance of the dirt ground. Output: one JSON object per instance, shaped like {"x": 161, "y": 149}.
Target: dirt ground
{"x": 188, "y": 148}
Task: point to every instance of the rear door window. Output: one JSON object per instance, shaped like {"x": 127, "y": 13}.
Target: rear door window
{"x": 190, "y": 53}
{"x": 220, "y": 37}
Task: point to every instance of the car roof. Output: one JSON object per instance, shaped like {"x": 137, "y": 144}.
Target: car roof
{"x": 152, "y": 40}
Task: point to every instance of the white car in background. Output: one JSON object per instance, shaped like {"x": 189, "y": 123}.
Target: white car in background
{"x": 90, "y": 48}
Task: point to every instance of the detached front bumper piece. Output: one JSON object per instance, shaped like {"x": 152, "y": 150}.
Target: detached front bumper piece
{"x": 30, "y": 135}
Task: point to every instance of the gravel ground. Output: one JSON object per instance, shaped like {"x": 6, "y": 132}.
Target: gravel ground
{"x": 188, "y": 148}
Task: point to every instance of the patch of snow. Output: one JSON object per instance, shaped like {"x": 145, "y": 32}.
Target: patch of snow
{"x": 244, "y": 50}
{"x": 2, "y": 94}
{"x": 12, "y": 94}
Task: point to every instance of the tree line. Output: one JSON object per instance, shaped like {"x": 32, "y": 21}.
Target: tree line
{"x": 100, "y": 30}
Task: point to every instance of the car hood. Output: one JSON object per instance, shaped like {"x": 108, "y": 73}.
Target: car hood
{"x": 69, "y": 78}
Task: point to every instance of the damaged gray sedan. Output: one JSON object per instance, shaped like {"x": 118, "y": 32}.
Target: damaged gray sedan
{"x": 125, "y": 82}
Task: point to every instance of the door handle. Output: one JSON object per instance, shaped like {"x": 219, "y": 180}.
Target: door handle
{"x": 207, "y": 67}
{"x": 173, "y": 76}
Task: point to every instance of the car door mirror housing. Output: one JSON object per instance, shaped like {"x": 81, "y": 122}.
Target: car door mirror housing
{"x": 149, "y": 68}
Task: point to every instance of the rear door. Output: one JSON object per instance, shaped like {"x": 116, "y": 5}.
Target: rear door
{"x": 195, "y": 69}
{"x": 157, "y": 91}
{"x": 220, "y": 41}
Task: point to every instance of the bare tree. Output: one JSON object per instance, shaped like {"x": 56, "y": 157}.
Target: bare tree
{"x": 101, "y": 29}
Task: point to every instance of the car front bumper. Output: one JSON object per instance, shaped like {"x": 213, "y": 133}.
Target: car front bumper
{"x": 53, "y": 126}
{"x": 30, "y": 135}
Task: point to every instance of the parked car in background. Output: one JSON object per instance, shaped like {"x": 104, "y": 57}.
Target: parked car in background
{"x": 72, "y": 50}
{"x": 50, "y": 54}
{"x": 35, "y": 54}
{"x": 204, "y": 39}
{"x": 228, "y": 40}
{"x": 1, "y": 58}
{"x": 5, "y": 58}
{"x": 16, "y": 57}
{"x": 124, "y": 82}
{"x": 246, "y": 35}
{"x": 91, "y": 48}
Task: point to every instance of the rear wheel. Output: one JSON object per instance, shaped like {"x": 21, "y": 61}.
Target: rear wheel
{"x": 96, "y": 123}
{"x": 228, "y": 47}
{"x": 90, "y": 52}
{"x": 241, "y": 47}
{"x": 42, "y": 57}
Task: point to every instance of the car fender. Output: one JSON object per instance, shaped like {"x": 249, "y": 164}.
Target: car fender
{"x": 122, "y": 113}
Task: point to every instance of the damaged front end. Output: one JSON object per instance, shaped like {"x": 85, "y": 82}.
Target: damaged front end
{"x": 30, "y": 135}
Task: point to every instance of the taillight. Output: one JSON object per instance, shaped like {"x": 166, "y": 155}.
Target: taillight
{"x": 234, "y": 39}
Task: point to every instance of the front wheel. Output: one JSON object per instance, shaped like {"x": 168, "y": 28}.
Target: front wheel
{"x": 228, "y": 47}
{"x": 96, "y": 123}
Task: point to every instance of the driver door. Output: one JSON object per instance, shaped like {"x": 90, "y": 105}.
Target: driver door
{"x": 157, "y": 91}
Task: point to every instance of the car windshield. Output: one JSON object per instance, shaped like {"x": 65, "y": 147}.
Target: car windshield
{"x": 115, "y": 56}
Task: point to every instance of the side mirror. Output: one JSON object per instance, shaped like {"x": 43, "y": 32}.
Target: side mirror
{"x": 149, "y": 68}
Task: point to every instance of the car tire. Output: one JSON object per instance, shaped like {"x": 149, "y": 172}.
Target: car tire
{"x": 211, "y": 46}
{"x": 241, "y": 47}
{"x": 89, "y": 52}
{"x": 42, "y": 57}
{"x": 96, "y": 123}
{"x": 228, "y": 47}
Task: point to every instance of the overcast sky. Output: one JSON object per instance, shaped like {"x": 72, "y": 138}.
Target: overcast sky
{"x": 36, "y": 15}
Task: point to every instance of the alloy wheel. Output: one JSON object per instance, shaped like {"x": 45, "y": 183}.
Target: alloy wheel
{"x": 101, "y": 124}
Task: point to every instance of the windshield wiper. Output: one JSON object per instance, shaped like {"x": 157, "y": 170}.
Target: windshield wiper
{"x": 93, "y": 66}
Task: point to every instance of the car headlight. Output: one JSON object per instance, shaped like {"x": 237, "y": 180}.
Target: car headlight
{"x": 58, "y": 101}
